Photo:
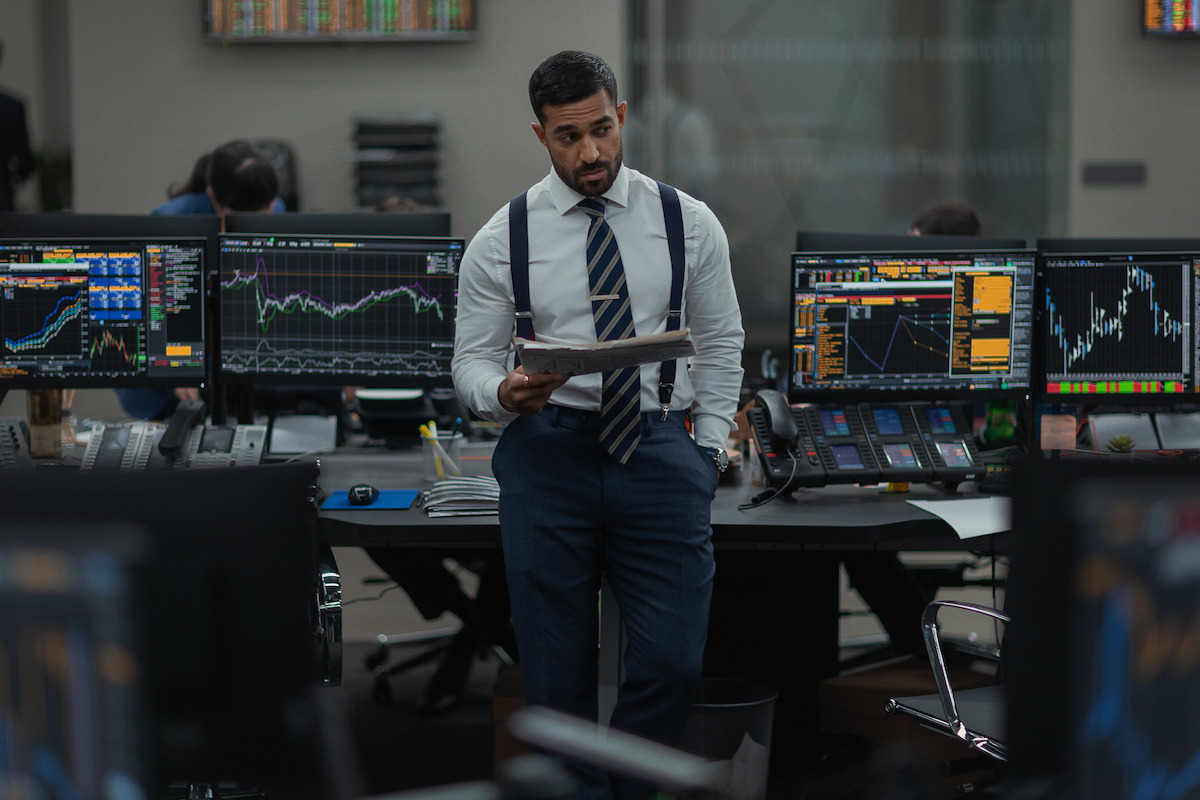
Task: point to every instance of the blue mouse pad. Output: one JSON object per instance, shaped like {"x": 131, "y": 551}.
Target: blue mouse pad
{"x": 388, "y": 499}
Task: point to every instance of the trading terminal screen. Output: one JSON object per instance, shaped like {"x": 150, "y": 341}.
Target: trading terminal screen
{"x": 1120, "y": 325}
{"x": 341, "y": 310}
{"x": 119, "y": 312}
{"x": 1170, "y": 18}
{"x": 232, "y": 20}
{"x": 944, "y": 324}
{"x": 74, "y": 689}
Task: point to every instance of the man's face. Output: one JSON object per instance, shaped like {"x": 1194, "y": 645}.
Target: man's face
{"x": 584, "y": 140}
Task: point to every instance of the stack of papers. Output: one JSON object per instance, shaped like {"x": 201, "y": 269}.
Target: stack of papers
{"x": 465, "y": 496}
{"x": 584, "y": 359}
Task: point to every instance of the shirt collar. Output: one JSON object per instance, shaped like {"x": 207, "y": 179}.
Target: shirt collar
{"x": 565, "y": 198}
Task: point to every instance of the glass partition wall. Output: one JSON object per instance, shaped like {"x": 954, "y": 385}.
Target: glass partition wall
{"x": 788, "y": 115}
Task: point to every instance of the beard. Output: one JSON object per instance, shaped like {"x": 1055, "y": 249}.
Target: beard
{"x": 592, "y": 188}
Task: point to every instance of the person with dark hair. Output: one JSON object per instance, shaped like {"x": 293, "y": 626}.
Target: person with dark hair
{"x": 16, "y": 158}
{"x": 951, "y": 218}
{"x": 235, "y": 177}
{"x": 599, "y": 475}
{"x": 882, "y": 580}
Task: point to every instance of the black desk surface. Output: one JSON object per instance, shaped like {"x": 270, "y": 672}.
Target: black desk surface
{"x": 829, "y": 518}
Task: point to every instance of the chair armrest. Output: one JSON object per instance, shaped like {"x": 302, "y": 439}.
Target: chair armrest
{"x": 933, "y": 645}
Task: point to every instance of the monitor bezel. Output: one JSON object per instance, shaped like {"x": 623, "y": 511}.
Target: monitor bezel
{"x": 897, "y": 394}
{"x": 230, "y": 378}
{"x": 425, "y": 224}
{"x": 837, "y": 241}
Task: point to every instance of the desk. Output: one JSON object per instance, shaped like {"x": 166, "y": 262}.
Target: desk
{"x": 834, "y": 518}
{"x": 774, "y": 619}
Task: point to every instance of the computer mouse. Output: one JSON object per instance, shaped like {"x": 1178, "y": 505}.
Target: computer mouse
{"x": 362, "y": 495}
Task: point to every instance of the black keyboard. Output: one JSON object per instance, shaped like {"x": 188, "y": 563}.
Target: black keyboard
{"x": 14, "y": 444}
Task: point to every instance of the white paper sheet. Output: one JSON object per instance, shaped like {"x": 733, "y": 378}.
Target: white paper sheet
{"x": 972, "y": 516}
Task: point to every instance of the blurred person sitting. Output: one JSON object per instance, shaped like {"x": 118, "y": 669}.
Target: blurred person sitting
{"x": 950, "y": 218}
{"x": 234, "y": 177}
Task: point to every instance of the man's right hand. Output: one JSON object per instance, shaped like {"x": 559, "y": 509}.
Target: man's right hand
{"x": 527, "y": 394}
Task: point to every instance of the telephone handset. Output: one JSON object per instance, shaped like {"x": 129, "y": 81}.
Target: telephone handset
{"x": 783, "y": 444}
{"x": 780, "y": 422}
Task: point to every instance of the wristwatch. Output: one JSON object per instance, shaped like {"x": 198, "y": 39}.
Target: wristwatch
{"x": 720, "y": 458}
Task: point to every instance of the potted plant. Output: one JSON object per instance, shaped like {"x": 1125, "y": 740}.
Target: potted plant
{"x": 1121, "y": 443}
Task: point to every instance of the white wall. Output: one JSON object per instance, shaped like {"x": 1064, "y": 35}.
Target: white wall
{"x": 1132, "y": 99}
{"x": 149, "y": 95}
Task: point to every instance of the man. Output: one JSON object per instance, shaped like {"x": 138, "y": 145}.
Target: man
{"x": 580, "y": 494}
{"x": 16, "y": 158}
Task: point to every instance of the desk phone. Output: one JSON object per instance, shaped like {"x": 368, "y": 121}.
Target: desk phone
{"x": 14, "y": 444}
{"x": 136, "y": 446}
{"x": 862, "y": 443}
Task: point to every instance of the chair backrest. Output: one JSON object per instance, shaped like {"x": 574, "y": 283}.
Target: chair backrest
{"x": 283, "y": 159}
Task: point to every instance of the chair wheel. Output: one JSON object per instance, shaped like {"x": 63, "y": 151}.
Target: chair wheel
{"x": 381, "y": 690}
{"x": 376, "y": 658}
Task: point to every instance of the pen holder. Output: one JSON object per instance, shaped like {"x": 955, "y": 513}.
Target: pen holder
{"x": 442, "y": 456}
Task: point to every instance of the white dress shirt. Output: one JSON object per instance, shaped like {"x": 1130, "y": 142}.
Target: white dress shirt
{"x": 562, "y": 312}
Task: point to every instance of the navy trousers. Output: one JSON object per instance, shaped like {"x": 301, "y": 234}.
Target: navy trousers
{"x": 569, "y": 513}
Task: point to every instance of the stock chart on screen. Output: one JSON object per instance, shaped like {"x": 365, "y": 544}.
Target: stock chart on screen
{"x": 355, "y": 310}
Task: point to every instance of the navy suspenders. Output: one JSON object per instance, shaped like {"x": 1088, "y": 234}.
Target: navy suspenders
{"x": 518, "y": 245}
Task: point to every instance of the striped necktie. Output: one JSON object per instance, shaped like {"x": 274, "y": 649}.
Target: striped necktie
{"x": 620, "y": 398}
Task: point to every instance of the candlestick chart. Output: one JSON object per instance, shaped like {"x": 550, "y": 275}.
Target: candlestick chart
{"x": 1111, "y": 321}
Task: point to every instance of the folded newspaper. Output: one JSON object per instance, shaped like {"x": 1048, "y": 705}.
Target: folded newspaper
{"x": 467, "y": 496}
{"x": 582, "y": 359}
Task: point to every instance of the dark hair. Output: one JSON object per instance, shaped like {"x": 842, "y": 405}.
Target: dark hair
{"x": 567, "y": 77}
{"x": 948, "y": 219}
{"x": 241, "y": 178}
{"x": 196, "y": 182}
{"x": 399, "y": 204}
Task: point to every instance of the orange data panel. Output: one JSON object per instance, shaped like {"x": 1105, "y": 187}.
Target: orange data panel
{"x": 993, "y": 294}
{"x": 990, "y": 354}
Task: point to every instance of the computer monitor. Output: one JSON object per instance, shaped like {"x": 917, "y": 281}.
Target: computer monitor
{"x": 913, "y": 325}
{"x": 336, "y": 309}
{"x": 1099, "y": 661}
{"x": 836, "y": 241}
{"x": 61, "y": 223}
{"x": 67, "y": 224}
{"x": 1118, "y": 321}
{"x": 120, "y": 311}
{"x": 75, "y": 706}
{"x": 229, "y": 582}
{"x": 417, "y": 223}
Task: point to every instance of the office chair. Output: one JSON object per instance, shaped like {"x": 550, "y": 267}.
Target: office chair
{"x": 976, "y": 716}
{"x": 916, "y": 585}
{"x": 284, "y": 160}
{"x": 327, "y": 619}
{"x": 438, "y": 640}
{"x": 485, "y": 628}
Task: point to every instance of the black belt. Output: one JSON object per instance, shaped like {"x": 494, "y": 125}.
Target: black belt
{"x": 591, "y": 417}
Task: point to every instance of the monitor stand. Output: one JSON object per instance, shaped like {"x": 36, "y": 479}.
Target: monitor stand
{"x": 302, "y": 433}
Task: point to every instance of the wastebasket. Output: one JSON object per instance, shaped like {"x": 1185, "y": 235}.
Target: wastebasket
{"x": 731, "y": 722}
